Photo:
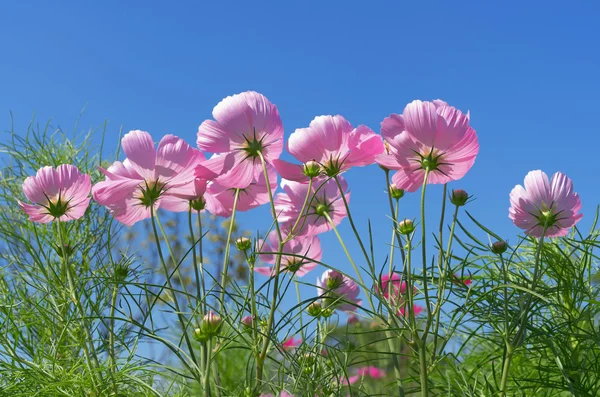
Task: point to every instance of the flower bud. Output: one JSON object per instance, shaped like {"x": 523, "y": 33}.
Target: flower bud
{"x": 243, "y": 243}
{"x": 67, "y": 249}
{"x": 198, "y": 204}
{"x": 314, "y": 309}
{"x": 334, "y": 280}
{"x": 499, "y": 247}
{"x": 311, "y": 169}
{"x": 353, "y": 319}
{"x": 396, "y": 193}
{"x": 247, "y": 322}
{"x": 209, "y": 327}
{"x": 407, "y": 226}
{"x": 459, "y": 197}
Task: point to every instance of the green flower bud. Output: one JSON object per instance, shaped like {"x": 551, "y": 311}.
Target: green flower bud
{"x": 407, "y": 226}
{"x": 311, "y": 169}
{"x": 459, "y": 197}
{"x": 396, "y": 193}
{"x": 499, "y": 247}
{"x": 314, "y": 309}
{"x": 243, "y": 243}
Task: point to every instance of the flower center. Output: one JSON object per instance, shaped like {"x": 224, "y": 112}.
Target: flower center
{"x": 57, "y": 207}
{"x": 293, "y": 265}
{"x": 332, "y": 167}
{"x": 547, "y": 218}
{"x": 253, "y": 146}
{"x": 151, "y": 193}
{"x": 198, "y": 204}
{"x": 431, "y": 161}
{"x": 322, "y": 209}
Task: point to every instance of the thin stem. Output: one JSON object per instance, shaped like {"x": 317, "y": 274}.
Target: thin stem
{"x": 76, "y": 301}
{"x": 389, "y": 334}
{"x": 443, "y": 275}
{"x": 180, "y": 317}
{"x": 206, "y": 377}
{"x": 260, "y": 361}
{"x": 423, "y": 368}
{"x": 424, "y": 251}
{"x": 356, "y": 269}
{"x": 520, "y": 335}
{"x": 394, "y": 215}
{"x": 225, "y": 269}
{"x": 199, "y": 296}
{"x": 301, "y": 217}
{"x": 201, "y": 257}
{"x": 111, "y": 335}
{"x": 174, "y": 260}
{"x": 362, "y": 247}
{"x": 301, "y": 313}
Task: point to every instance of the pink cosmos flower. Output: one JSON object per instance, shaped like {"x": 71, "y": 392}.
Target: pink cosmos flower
{"x": 338, "y": 290}
{"x": 543, "y": 203}
{"x": 353, "y": 319}
{"x": 245, "y": 124}
{"x": 397, "y": 289}
{"x": 428, "y": 135}
{"x": 148, "y": 176}
{"x": 371, "y": 372}
{"x": 219, "y": 198}
{"x": 304, "y": 251}
{"x": 325, "y": 198}
{"x": 334, "y": 144}
{"x": 61, "y": 193}
{"x": 291, "y": 343}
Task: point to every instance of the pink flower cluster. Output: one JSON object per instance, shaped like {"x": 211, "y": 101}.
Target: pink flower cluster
{"x": 430, "y": 142}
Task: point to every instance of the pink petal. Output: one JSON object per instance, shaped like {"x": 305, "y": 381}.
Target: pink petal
{"x": 139, "y": 149}
{"x": 289, "y": 171}
{"x": 422, "y": 120}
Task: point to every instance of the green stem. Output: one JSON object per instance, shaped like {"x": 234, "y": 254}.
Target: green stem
{"x": 206, "y": 377}
{"x": 301, "y": 217}
{"x": 356, "y": 269}
{"x": 389, "y": 334}
{"x": 520, "y": 335}
{"x": 358, "y": 239}
{"x": 174, "y": 260}
{"x": 111, "y": 335}
{"x": 394, "y": 215}
{"x": 201, "y": 257}
{"x": 180, "y": 317}
{"x": 301, "y": 313}
{"x": 225, "y": 269}
{"x": 422, "y": 342}
{"x": 260, "y": 361}
{"x": 443, "y": 276}
{"x": 76, "y": 301}
{"x": 199, "y": 296}
{"x": 423, "y": 368}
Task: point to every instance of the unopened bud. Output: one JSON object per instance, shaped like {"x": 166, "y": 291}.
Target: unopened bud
{"x": 314, "y": 309}
{"x": 66, "y": 250}
{"x": 459, "y": 197}
{"x": 247, "y": 321}
{"x": 198, "y": 204}
{"x": 311, "y": 169}
{"x": 499, "y": 247}
{"x": 209, "y": 327}
{"x": 407, "y": 226}
{"x": 396, "y": 193}
{"x": 243, "y": 243}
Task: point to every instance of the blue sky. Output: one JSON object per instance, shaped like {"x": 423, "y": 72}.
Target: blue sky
{"x": 527, "y": 71}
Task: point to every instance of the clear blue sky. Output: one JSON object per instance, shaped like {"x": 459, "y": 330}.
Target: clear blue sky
{"x": 527, "y": 71}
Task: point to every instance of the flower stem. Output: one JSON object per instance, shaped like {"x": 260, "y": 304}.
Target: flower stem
{"x": 199, "y": 295}
{"x": 77, "y": 302}
{"x": 180, "y": 317}
{"x": 260, "y": 360}
{"x": 362, "y": 247}
{"x": 225, "y": 269}
{"x": 301, "y": 217}
{"x": 394, "y": 214}
{"x": 422, "y": 342}
{"x": 356, "y": 269}
{"x": 520, "y": 335}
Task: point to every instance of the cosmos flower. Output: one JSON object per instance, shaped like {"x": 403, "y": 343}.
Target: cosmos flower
{"x": 428, "y": 136}
{"x": 61, "y": 193}
{"x": 542, "y": 203}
